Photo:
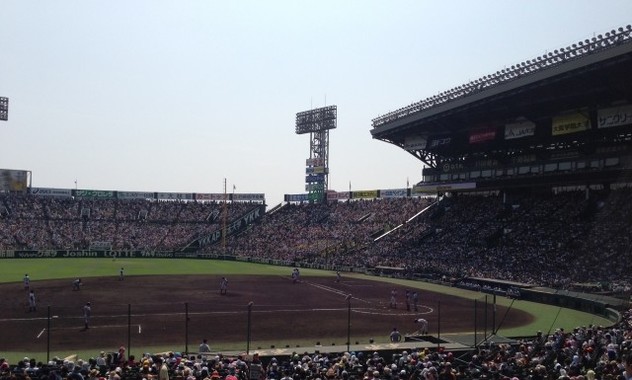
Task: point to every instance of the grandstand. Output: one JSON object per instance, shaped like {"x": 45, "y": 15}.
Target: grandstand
{"x": 525, "y": 194}
{"x": 560, "y": 120}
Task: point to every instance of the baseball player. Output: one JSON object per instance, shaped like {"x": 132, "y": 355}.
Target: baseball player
{"x": 27, "y": 281}
{"x": 393, "y": 301}
{"x": 423, "y": 327}
{"x": 121, "y": 274}
{"x": 223, "y": 286}
{"x": 76, "y": 284}
{"x": 87, "y": 312}
{"x": 32, "y": 306}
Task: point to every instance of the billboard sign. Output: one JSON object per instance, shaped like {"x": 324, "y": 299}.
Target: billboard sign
{"x": 519, "y": 129}
{"x": 482, "y": 135}
{"x": 567, "y": 124}
{"x": 614, "y": 117}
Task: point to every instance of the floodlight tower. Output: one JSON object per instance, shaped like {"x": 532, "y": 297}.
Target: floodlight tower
{"x": 317, "y": 123}
{"x": 4, "y": 108}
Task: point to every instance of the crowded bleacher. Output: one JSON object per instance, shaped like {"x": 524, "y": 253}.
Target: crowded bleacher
{"x": 541, "y": 239}
{"x": 36, "y": 222}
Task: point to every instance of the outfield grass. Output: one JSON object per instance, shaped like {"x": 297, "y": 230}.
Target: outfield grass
{"x": 48, "y": 269}
{"x": 546, "y": 317}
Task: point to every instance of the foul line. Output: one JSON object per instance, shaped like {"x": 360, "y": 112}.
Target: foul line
{"x": 79, "y": 328}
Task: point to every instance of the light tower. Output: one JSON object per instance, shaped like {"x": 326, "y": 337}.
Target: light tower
{"x": 317, "y": 123}
{"x": 4, "y": 108}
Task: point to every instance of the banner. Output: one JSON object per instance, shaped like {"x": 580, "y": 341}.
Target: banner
{"x": 440, "y": 141}
{"x": 134, "y": 195}
{"x": 295, "y": 197}
{"x": 364, "y": 194}
{"x": 174, "y": 196}
{"x": 249, "y": 197}
{"x": 519, "y": 129}
{"x": 614, "y": 117}
{"x": 482, "y": 135}
{"x": 234, "y": 227}
{"x": 100, "y": 194}
{"x": 53, "y": 254}
{"x": 413, "y": 143}
{"x": 50, "y": 192}
{"x": 13, "y": 180}
{"x": 210, "y": 197}
{"x": 394, "y": 193}
{"x": 334, "y": 195}
{"x": 564, "y": 125}
{"x": 443, "y": 187}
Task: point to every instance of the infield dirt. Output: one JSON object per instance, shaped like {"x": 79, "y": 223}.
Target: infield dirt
{"x": 150, "y": 311}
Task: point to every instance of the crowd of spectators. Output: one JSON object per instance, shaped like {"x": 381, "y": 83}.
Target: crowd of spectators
{"x": 548, "y": 239}
{"x": 36, "y": 222}
{"x": 309, "y": 232}
{"x": 559, "y": 240}
{"x": 586, "y": 352}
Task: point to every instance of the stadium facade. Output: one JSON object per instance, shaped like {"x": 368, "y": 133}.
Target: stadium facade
{"x": 563, "y": 119}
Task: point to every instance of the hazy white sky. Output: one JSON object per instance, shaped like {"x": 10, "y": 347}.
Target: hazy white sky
{"x": 178, "y": 95}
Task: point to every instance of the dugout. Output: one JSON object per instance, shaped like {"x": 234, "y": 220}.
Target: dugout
{"x": 605, "y": 306}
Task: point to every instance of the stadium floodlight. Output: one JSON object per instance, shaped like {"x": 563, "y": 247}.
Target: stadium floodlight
{"x": 4, "y": 108}
{"x": 316, "y": 120}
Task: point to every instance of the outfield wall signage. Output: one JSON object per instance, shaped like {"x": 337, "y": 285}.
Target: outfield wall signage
{"x": 131, "y": 254}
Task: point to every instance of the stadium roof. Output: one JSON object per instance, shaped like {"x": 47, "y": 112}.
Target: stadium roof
{"x": 587, "y": 75}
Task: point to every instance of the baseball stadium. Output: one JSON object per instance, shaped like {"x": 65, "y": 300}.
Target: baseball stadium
{"x": 508, "y": 259}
